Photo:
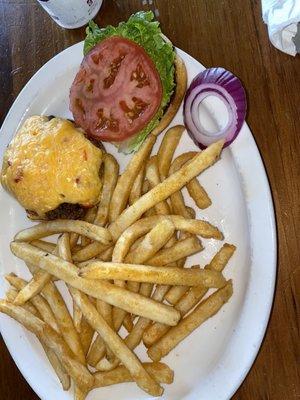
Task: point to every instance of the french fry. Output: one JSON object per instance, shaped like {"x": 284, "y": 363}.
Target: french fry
{"x": 77, "y": 318}
{"x": 191, "y": 212}
{"x": 202, "y": 312}
{"x": 161, "y": 290}
{"x": 135, "y": 336}
{"x": 122, "y": 191}
{"x": 146, "y": 289}
{"x": 151, "y": 244}
{"x": 110, "y": 177}
{"x": 107, "y": 365}
{"x": 181, "y": 83}
{"x": 137, "y": 187}
{"x": 73, "y": 240}
{"x": 90, "y": 251}
{"x": 83, "y": 228}
{"x": 167, "y": 149}
{"x": 128, "y": 323}
{"x": 159, "y": 371}
{"x": 60, "y": 371}
{"x": 63, "y": 245}
{"x": 89, "y": 217}
{"x": 115, "y": 343}
{"x": 64, "y": 320}
{"x": 38, "y": 301}
{"x": 169, "y": 186}
{"x": 178, "y": 205}
{"x": 167, "y": 257}
{"x": 79, "y": 394}
{"x": 196, "y": 191}
{"x": 97, "y": 351}
{"x": 65, "y": 253}
{"x": 86, "y": 335}
{"x": 198, "y": 194}
{"x": 129, "y": 301}
{"x": 107, "y": 254}
{"x": 69, "y": 331}
{"x": 182, "y": 248}
{"x": 44, "y": 245}
{"x": 105, "y": 310}
{"x": 98, "y": 348}
{"x": 158, "y": 275}
{"x": 221, "y": 258}
{"x": 64, "y": 250}
{"x": 51, "y": 339}
{"x": 176, "y": 292}
{"x": 152, "y": 175}
{"x": 186, "y": 302}
{"x": 34, "y": 287}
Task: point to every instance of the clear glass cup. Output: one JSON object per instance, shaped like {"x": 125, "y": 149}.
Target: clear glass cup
{"x": 71, "y": 14}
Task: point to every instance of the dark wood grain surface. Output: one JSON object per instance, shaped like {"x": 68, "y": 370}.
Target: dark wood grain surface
{"x": 218, "y": 33}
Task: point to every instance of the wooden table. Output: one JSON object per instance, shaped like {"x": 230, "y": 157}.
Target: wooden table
{"x": 218, "y": 33}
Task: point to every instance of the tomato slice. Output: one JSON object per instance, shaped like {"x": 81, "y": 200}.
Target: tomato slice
{"x": 116, "y": 91}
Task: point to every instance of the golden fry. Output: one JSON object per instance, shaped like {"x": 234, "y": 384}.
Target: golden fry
{"x": 83, "y": 228}
{"x": 86, "y": 335}
{"x": 158, "y": 275}
{"x": 44, "y": 245}
{"x": 149, "y": 246}
{"x": 64, "y": 320}
{"x": 196, "y": 191}
{"x": 152, "y": 243}
{"x": 79, "y": 394}
{"x": 159, "y": 371}
{"x": 152, "y": 175}
{"x": 137, "y": 187}
{"x": 110, "y": 177}
{"x": 122, "y": 191}
{"x": 91, "y": 250}
{"x": 167, "y": 149}
{"x": 34, "y": 287}
{"x": 176, "y": 292}
{"x": 222, "y": 257}
{"x": 182, "y": 248}
{"x": 135, "y": 336}
{"x": 202, "y": 312}
{"x": 128, "y": 323}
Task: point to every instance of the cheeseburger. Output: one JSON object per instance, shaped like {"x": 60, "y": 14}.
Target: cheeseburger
{"x": 52, "y": 169}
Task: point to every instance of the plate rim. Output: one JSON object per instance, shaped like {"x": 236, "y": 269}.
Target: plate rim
{"x": 238, "y": 377}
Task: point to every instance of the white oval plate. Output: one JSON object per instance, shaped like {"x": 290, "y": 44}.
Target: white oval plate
{"x": 213, "y": 361}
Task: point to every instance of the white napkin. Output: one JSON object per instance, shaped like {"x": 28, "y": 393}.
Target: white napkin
{"x": 282, "y": 17}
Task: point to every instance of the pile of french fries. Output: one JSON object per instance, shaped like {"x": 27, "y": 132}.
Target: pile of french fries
{"x": 124, "y": 266}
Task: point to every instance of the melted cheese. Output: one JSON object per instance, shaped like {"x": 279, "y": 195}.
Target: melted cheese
{"x": 49, "y": 163}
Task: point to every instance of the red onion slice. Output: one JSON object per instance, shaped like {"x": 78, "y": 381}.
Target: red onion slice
{"x": 226, "y": 87}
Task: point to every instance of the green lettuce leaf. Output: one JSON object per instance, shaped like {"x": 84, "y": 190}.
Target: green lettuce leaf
{"x": 142, "y": 29}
